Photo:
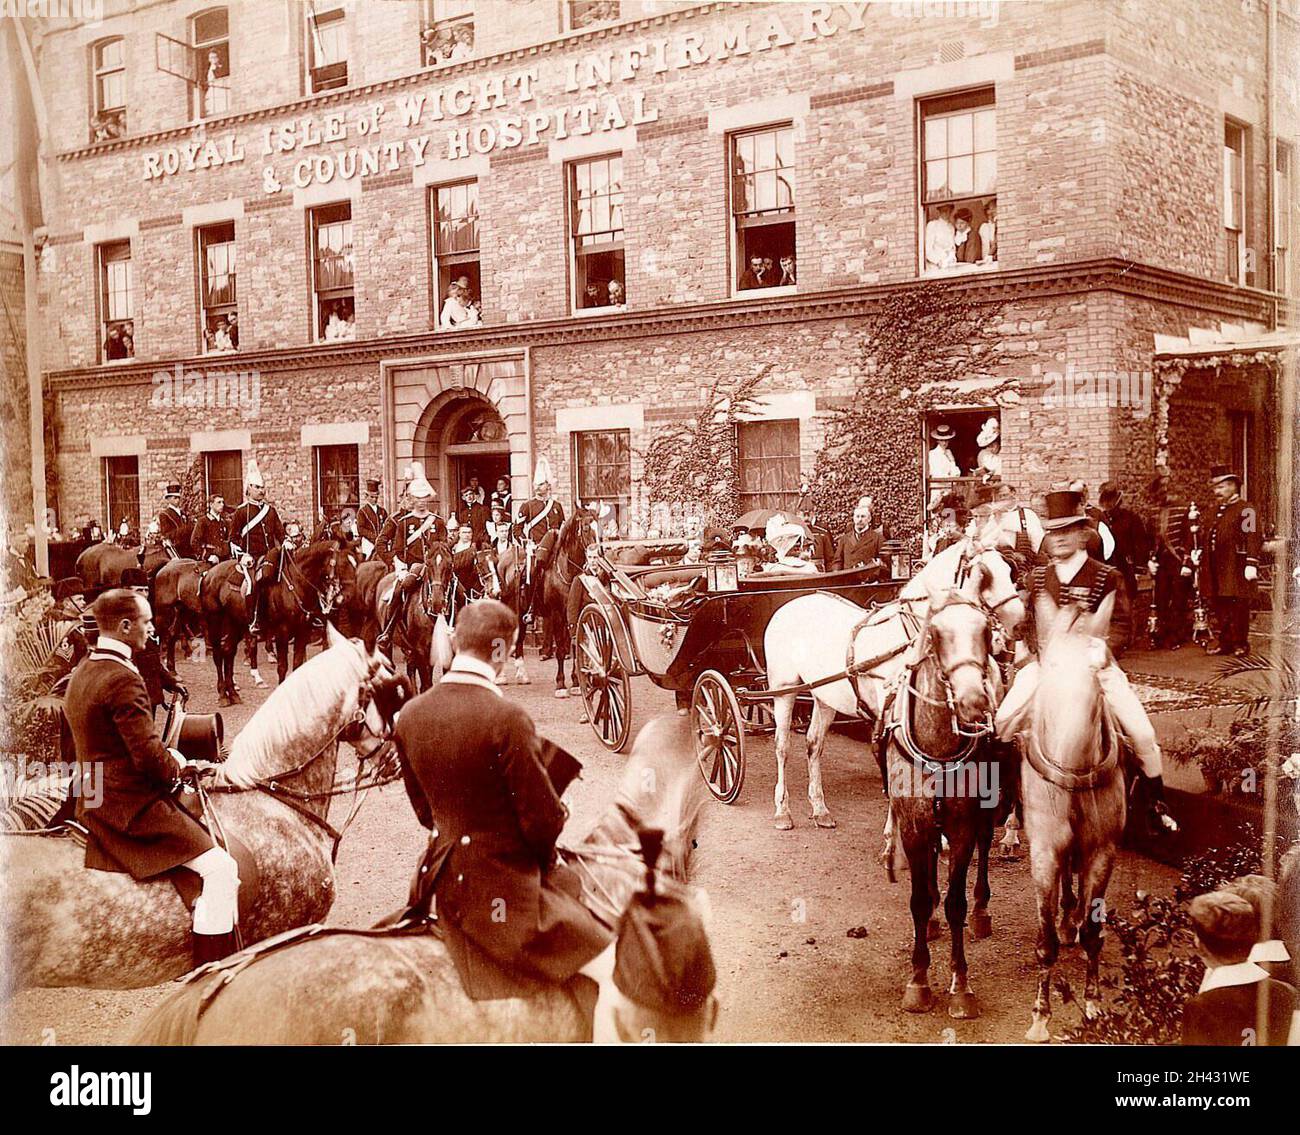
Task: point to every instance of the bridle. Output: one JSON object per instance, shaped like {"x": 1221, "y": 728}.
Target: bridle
{"x": 325, "y": 596}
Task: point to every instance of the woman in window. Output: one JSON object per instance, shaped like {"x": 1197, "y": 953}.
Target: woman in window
{"x": 457, "y": 311}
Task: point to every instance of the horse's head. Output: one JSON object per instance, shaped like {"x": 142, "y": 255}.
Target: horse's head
{"x": 959, "y": 626}
{"x": 998, "y": 590}
{"x": 437, "y": 575}
{"x": 343, "y": 693}
{"x": 577, "y": 534}
{"x": 1071, "y": 649}
{"x": 485, "y": 563}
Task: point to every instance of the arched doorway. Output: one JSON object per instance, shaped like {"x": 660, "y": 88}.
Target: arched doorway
{"x": 462, "y": 436}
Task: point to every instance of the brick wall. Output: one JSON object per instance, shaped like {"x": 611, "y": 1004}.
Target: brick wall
{"x": 15, "y": 446}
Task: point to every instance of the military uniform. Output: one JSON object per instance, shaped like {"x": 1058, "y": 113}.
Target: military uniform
{"x": 1233, "y": 544}
{"x": 256, "y": 528}
{"x": 407, "y": 537}
{"x": 211, "y": 537}
{"x": 1172, "y": 588}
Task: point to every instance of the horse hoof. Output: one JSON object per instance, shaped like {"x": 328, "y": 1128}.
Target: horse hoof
{"x": 783, "y": 823}
{"x": 825, "y": 820}
{"x": 963, "y": 1006}
{"x": 235, "y": 699}
{"x": 933, "y": 930}
{"x": 981, "y": 926}
{"x": 258, "y": 680}
{"x": 1038, "y": 1033}
{"x": 223, "y": 702}
{"x": 561, "y": 693}
{"x": 917, "y": 998}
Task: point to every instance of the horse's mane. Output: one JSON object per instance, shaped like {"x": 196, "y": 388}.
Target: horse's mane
{"x": 313, "y": 556}
{"x": 298, "y": 716}
{"x": 571, "y": 529}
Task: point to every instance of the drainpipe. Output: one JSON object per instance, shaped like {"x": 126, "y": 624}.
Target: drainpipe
{"x": 1270, "y": 146}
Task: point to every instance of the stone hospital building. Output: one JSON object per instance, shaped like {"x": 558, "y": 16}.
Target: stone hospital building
{"x": 340, "y": 236}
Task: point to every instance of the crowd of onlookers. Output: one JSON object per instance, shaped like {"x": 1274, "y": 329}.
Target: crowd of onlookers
{"x": 952, "y": 238}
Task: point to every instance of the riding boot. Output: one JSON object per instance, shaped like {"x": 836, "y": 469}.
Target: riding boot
{"x": 395, "y": 605}
{"x": 213, "y": 947}
{"x": 1153, "y": 788}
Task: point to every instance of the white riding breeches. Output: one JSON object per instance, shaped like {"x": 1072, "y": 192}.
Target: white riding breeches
{"x": 1120, "y": 698}
{"x": 216, "y": 908}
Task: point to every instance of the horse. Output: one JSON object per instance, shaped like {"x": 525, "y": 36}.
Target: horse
{"x": 401, "y": 987}
{"x": 473, "y": 576}
{"x": 218, "y": 598}
{"x": 567, "y": 560}
{"x": 1072, "y": 784}
{"x": 101, "y": 565}
{"x": 67, "y": 926}
{"x": 418, "y": 627}
{"x": 944, "y": 779}
{"x": 177, "y": 609}
{"x": 304, "y": 591}
{"x": 810, "y": 638}
{"x": 510, "y": 573}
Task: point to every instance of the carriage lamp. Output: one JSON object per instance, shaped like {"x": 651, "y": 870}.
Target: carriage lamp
{"x": 723, "y": 574}
{"x": 900, "y": 560}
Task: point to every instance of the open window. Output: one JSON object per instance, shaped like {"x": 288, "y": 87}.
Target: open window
{"x": 327, "y": 49}
{"x": 210, "y": 41}
{"x": 447, "y": 32}
{"x": 332, "y": 274}
{"x": 959, "y": 163}
{"x": 108, "y": 110}
{"x": 596, "y": 228}
{"x": 1234, "y": 202}
{"x": 217, "y": 292}
{"x": 456, "y": 254}
{"x": 122, "y": 493}
{"x": 962, "y": 450}
{"x": 116, "y": 301}
{"x": 762, "y": 208}
{"x": 1283, "y": 216}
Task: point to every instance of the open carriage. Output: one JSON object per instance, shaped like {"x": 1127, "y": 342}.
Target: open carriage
{"x": 697, "y": 630}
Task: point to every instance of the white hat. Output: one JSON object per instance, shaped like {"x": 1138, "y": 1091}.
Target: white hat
{"x": 542, "y": 472}
{"x": 419, "y": 486}
{"x": 990, "y": 431}
{"x": 781, "y": 534}
{"x": 599, "y": 509}
{"x": 254, "y": 475}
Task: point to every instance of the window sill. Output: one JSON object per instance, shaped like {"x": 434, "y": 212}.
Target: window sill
{"x": 460, "y": 326}
{"x": 775, "y": 290}
{"x": 932, "y": 273}
{"x": 608, "y": 309}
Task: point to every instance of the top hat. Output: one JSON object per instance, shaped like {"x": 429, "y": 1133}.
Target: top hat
{"x": 134, "y": 577}
{"x": 372, "y": 484}
{"x": 990, "y": 432}
{"x": 1223, "y": 473}
{"x": 943, "y": 432}
{"x": 1064, "y": 510}
{"x": 172, "y": 489}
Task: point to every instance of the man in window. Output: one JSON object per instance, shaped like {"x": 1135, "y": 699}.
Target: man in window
{"x": 114, "y": 346}
{"x": 941, "y": 240}
{"x": 757, "y": 275}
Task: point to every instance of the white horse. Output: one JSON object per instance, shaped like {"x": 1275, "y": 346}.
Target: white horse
{"x": 819, "y": 635}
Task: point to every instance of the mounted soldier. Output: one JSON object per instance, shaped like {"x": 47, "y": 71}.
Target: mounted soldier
{"x": 256, "y": 528}
{"x": 403, "y": 543}
{"x": 371, "y": 517}
{"x": 1071, "y": 578}
{"x": 1231, "y": 562}
{"x": 539, "y": 516}
{"x": 210, "y": 539}
{"x": 172, "y": 525}
{"x": 137, "y": 826}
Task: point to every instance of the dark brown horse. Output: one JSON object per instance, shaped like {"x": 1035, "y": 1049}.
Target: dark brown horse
{"x": 177, "y": 610}
{"x": 101, "y": 565}
{"x": 944, "y": 779}
{"x": 295, "y": 604}
{"x": 565, "y": 563}
{"x": 415, "y": 628}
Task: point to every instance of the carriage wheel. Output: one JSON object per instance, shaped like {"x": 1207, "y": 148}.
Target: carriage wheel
{"x": 605, "y": 684}
{"x": 719, "y": 735}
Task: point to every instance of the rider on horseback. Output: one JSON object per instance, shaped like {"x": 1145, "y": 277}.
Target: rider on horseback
{"x": 404, "y": 541}
{"x": 255, "y": 529}
{"x": 477, "y": 777}
{"x": 1071, "y": 578}
{"x": 538, "y": 518}
{"x": 138, "y": 826}
{"x": 269, "y": 570}
{"x": 210, "y": 539}
{"x": 171, "y": 523}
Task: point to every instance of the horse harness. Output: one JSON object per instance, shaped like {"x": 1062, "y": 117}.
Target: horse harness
{"x": 324, "y": 598}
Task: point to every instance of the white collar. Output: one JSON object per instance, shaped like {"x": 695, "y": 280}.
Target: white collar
{"x": 1066, "y": 570}
{"x": 1274, "y": 950}
{"x": 114, "y": 646}
{"x": 1221, "y": 977}
{"x": 469, "y": 671}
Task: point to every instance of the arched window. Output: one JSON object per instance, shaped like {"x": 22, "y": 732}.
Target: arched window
{"x": 210, "y": 42}
{"x": 108, "y": 110}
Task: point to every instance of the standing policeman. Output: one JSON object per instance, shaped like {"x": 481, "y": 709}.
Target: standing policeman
{"x": 1235, "y": 543}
